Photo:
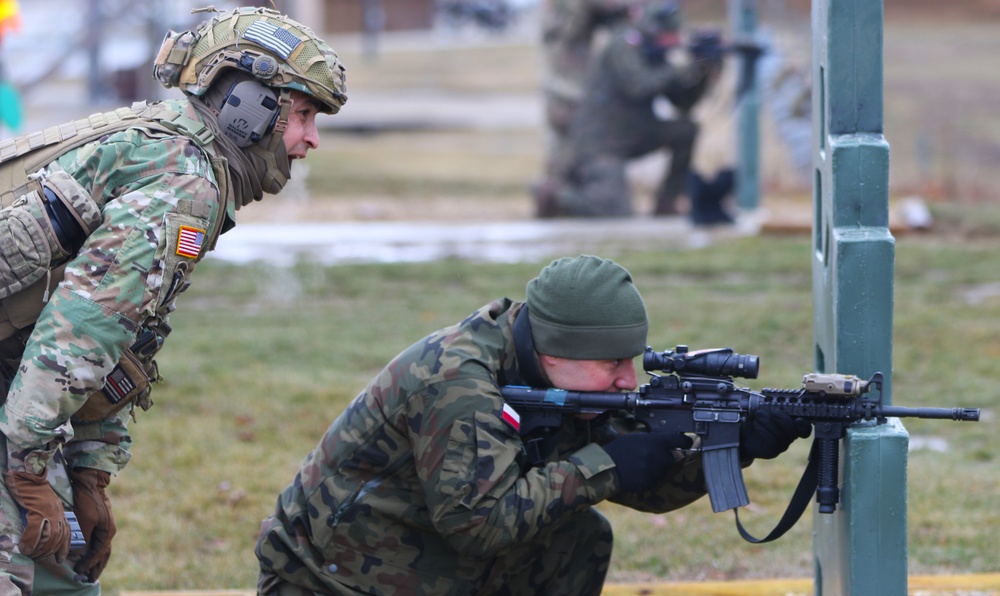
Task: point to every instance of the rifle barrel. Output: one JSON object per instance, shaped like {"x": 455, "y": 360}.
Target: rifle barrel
{"x": 569, "y": 401}
{"x": 960, "y": 414}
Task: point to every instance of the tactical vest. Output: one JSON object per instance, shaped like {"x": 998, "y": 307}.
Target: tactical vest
{"x": 45, "y": 217}
{"x": 41, "y": 214}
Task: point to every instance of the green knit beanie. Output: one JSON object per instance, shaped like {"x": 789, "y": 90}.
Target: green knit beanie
{"x": 586, "y": 308}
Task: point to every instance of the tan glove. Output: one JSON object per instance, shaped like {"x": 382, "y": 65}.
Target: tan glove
{"x": 45, "y": 529}
{"x": 93, "y": 511}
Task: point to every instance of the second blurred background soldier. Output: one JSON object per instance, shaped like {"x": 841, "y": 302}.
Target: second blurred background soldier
{"x": 571, "y": 36}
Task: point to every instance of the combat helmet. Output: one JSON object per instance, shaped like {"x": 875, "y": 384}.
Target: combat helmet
{"x": 274, "y": 49}
{"x": 244, "y": 65}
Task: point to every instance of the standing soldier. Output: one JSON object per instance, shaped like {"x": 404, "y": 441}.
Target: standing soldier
{"x": 617, "y": 121}
{"x": 569, "y": 28}
{"x": 107, "y": 218}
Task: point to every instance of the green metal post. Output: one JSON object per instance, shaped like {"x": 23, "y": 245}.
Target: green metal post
{"x": 860, "y": 549}
{"x": 743, "y": 23}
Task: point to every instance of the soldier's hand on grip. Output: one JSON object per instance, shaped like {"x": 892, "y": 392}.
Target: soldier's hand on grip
{"x": 770, "y": 433}
{"x": 641, "y": 459}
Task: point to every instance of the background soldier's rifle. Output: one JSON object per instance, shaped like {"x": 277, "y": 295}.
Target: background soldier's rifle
{"x": 697, "y": 395}
{"x": 708, "y": 45}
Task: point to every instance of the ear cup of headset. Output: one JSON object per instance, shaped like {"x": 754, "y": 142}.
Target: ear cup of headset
{"x": 248, "y": 112}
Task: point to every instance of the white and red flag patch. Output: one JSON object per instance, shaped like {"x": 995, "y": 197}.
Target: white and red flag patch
{"x": 189, "y": 241}
{"x": 511, "y": 417}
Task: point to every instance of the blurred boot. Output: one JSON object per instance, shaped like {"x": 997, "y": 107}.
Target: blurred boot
{"x": 707, "y": 196}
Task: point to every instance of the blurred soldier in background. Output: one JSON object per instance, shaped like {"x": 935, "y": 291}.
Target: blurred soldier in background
{"x": 617, "y": 121}
{"x": 569, "y": 29}
{"x": 106, "y": 219}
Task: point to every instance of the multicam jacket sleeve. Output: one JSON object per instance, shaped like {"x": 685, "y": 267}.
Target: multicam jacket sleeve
{"x": 128, "y": 272}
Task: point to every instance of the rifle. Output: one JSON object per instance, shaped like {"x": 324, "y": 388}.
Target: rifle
{"x": 697, "y": 395}
{"x": 707, "y": 45}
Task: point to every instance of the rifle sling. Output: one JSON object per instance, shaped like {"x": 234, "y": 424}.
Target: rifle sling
{"x": 800, "y": 500}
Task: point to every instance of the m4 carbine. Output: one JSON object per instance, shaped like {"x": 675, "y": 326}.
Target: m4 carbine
{"x": 697, "y": 395}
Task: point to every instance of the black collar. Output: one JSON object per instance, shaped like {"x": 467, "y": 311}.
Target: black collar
{"x": 524, "y": 349}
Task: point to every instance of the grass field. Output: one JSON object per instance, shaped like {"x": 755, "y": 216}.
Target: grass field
{"x": 263, "y": 358}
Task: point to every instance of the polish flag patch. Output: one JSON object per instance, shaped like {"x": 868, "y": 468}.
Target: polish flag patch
{"x": 511, "y": 417}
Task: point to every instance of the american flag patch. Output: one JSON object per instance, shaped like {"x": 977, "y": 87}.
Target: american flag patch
{"x": 511, "y": 417}
{"x": 189, "y": 241}
{"x": 117, "y": 385}
{"x": 272, "y": 37}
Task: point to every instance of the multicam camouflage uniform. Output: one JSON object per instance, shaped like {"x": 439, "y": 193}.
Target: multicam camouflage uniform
{"x": 165, "y": 181}
{"x": 617, "y": 123}
{"x": 148, "y": 184}
{"x": 421, "y": 486}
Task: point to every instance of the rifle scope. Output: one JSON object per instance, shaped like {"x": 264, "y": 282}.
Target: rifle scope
{"x": 715, "y": 363}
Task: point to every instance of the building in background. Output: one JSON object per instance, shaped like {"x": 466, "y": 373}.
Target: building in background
{"x": 74, "y": 58}
{"x": 356, "y": 16}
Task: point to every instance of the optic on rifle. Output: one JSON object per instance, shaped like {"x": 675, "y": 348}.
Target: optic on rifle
{"x": 715, "y": 362}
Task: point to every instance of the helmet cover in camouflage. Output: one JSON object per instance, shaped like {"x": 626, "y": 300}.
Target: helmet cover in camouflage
{"x": 274, "y": 49}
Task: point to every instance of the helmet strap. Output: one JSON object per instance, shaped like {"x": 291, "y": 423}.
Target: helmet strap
{"x": 284, "y": 109}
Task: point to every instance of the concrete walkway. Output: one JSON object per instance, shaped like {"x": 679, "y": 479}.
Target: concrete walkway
{"x": 330, "y": 243}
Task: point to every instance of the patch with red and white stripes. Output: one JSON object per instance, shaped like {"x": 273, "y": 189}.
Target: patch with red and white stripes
{"x": 511, "y": 417}
{"x": 189, "y": 241}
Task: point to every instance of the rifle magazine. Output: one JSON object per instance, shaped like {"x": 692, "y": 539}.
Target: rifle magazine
{"x": 724, "y": 478}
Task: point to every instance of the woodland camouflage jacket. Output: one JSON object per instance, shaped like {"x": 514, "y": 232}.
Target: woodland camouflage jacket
{"x": 421, "y": 482}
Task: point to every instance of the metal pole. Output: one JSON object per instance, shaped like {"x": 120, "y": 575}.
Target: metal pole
{"x": 95, "y": 20}
{"x": 743, "y": 23}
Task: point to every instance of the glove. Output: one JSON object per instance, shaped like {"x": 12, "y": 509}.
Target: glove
{"x": 770, "y": 433}
{"x": 93, "y": 511}
{"x": 46, "y": 532}
{"x": 641, "y": 459}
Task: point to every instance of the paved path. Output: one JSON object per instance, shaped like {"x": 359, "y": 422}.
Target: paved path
{"x": 414, "y": 241}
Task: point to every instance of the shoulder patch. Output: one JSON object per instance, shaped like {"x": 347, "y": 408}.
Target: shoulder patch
{"x": 511, "y": 417}
{"x": 189, "y": 242}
